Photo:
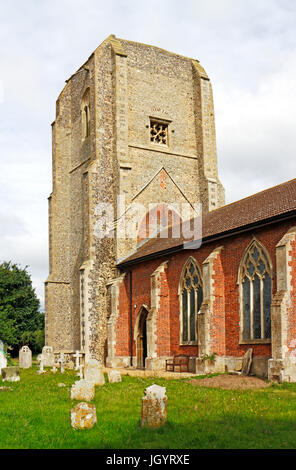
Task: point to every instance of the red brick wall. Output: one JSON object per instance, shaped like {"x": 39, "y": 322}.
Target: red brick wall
{"x": 231, "y": 256}
{"x": 217, "y": 327}
{"x": 292, "y": 301}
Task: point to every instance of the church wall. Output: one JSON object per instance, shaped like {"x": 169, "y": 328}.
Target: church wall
{"x": 225, "y": 285}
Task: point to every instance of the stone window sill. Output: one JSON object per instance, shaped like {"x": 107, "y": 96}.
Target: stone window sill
{"x": 256, "y": 341}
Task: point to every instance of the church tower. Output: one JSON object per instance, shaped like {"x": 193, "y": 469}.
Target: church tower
{"x": 134, "y": 121}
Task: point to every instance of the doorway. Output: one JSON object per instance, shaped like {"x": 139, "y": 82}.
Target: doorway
{"x": 142, "y": 339}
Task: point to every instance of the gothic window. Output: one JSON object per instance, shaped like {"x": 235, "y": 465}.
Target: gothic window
{"x": 191, "y": 296}
{"x": 158, "y": 132}
{"x": 85, "y": 115}
{"x": 255, "y": 294}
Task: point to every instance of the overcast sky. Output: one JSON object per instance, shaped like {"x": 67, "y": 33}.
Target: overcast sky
{"x": 248, "y": 48}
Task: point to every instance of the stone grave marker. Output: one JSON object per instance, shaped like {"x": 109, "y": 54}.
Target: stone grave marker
{"x": 3, "y": 360}
{"x": 10, "y": 374}
{"x": 93, "y": 372}
{"x": 40, "y": 359}
{"x": 62, "y": 362}
{"x": 48, "y": 356}
{"x": 247, "y": 362}
{"x": 83, "y": 416}
{"x": 25, "y": 357}
{"x": 114, "y": 376}
{"x": 80, "y": 373}
{"x": 154, "y": 406}
{"x": 77, "y": 356}
{"x": 83, "y": 390}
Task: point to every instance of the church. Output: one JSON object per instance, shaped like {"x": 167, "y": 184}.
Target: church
{"x": 146, "y": 262}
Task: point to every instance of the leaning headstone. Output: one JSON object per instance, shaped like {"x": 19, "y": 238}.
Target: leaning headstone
{"x": 93, "y": 372}
{"x": 114, "y": 376}
{"x": 25, "y": 357}
{"x": 83, "y": 416}
{"x": 83, "y": 390}
{"x": 48, "y": 356}
{"x": 247, "y": 362}
{"x": 154, "y": 404}
{"x": 3, "y": 360}
{"x": 11, "y": 374}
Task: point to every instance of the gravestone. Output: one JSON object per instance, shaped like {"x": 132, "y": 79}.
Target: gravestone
{"x": 114, "y": 376}
{"x": 93, "y": 372}
{"x": 11, "y": 374}
{"x": 77, "y": 356}
{"x": 3, "y": 360}
{"x": 62, "y": 362}
{"x": 83, "y": 390}
{"x": 83, "y": 416}
{"x": 80, "y": 373}
{"x": 40, "y": 359}
{"x": 154, "y": 410}
{"x": 48, "y": 356}
{"x": 25, "y": 357}
{"x": 247, "y": 362}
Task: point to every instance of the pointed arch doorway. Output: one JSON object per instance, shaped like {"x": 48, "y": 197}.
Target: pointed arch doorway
{"x": 142, "y": 338}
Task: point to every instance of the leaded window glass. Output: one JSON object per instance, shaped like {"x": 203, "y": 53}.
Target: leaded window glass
{"x": 255, "y": 280}
{"x": 191, "y": 300}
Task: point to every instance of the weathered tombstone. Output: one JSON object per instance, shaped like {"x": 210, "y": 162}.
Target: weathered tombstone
{"x": 83, "y": 416}
{"x": 25, "y": 357}
{"x": 77, "y": 356}
{"x": 48, "y": 356}
{"x": 154, "y": 404}
{"x": 40, "y": 359}
{"x": 83, "y": 390}
{"x": 247, "y": 362}
{"x": 62, "y": 362}
{"x": 3, "y": 360}
{"x": 11, "y": 374}
{"x": 54, "y": 369}
{"x": 114, "y": 376}
{"x": 93, "y": 372}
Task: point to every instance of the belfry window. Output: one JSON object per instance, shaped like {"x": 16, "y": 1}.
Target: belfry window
{"x": 255, "y": 294}
{"x": 158, "y": 132}
{"x": 85, "y": 115}
{"x": 191, "y": 296}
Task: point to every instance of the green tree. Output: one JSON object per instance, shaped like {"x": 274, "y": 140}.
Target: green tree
{"x": 20, "y": 319}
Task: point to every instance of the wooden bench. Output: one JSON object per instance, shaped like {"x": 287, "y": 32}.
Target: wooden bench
{"x": 177, "y": 364}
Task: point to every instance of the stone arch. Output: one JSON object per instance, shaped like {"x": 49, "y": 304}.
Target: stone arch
{"x": 140, "y": 336}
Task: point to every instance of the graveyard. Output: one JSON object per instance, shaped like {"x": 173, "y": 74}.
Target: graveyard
{"x": 35, "y": 411}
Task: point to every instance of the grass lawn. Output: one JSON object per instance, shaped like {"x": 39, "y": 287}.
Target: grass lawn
{"x": 36, "y": 415}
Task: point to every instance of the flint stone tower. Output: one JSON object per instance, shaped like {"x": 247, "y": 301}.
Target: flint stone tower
{"x": 135, "y": 121}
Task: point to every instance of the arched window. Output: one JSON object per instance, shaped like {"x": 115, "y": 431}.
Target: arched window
{"x": 85, "y": 115}
{"x": 255, "y": 293}
{"x": 190, "y": 301}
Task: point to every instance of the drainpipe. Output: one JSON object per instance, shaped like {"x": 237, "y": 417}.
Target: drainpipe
{"x": 131, "y": 316}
